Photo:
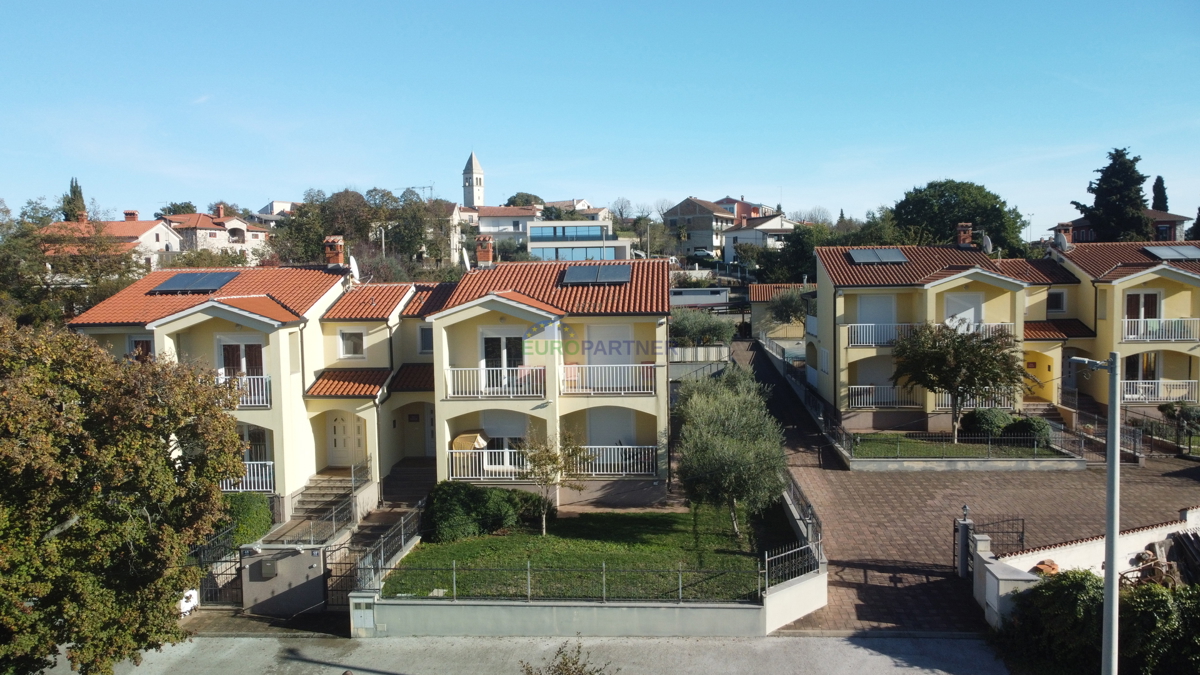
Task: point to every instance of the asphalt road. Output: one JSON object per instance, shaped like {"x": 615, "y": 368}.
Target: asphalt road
{"x": 479, "y": 656}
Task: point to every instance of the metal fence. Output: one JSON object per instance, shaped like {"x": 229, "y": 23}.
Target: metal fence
{"x": 791, "y": 562}
{"x": 320, "y": 530}
{"x": 923, "y": 445}
{"x": 1097, "y": 427}
{"x": 807, "y": 512}
{"x": 220, "y": 562}
{"x": 371, "y": 563}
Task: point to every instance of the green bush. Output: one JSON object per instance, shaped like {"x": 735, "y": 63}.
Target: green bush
{"x": 458, "y": 510}
{"x": 693, "y": 327}
{"x": 990, "y": 421}
{"x": 250, "y": 514}
{"x": 1025, "y": 427}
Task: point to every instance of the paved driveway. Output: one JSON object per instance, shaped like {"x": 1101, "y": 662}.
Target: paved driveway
{"x": 430, "y": 656}
{"x": 888, "y": 535}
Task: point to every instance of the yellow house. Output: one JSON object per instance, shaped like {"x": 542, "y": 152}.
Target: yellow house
{"x": 342, "y": 379}
{"x": 867, "y": 297}
{"x": 1143, "y": 300}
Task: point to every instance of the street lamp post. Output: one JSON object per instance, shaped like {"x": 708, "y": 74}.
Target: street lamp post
{"x": 1108, "y": 655}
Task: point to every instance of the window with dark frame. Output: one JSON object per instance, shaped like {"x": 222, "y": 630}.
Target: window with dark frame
{"x": 1056, "y": 301}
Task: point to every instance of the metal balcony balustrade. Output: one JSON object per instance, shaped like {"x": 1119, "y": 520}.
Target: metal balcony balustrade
{"x": 615, "y": 380}
{"x": 254, "y": 391}
{"x": 1158, "y": 391}
{"x": 1160, "y": 330}
{"x": 518, "y": 382}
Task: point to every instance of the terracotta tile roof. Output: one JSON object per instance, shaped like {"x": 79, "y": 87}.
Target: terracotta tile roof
{"x": 593, "y": 211}
{"x": 413, "y": 377}
{"x": 715, "y": 208}
{"x": 121, "y": 229}
{"x": 349, "y": 383}
{"x": 369, "y": 302}
{"x": 1042, "y": 272}
{"x": 767, "y": 292}
{"x": 1057, "y": 329}
{"x": 502, "y": 211}
{"x": 517, "y": 296}
{"x": 296, "y": 289}
{"x": 1102, "y": 260}
{"x": 926, "y": 264}
{"x": 262, "y": 305}
{"x": 646, "y": 293}
{"x": 204, "y": 221}
{"x": 428, "y": 299}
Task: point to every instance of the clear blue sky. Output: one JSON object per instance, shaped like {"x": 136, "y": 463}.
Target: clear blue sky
{"x": 837, "y": 104}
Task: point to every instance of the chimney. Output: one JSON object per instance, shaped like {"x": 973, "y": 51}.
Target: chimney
{"x": 964, "y": 235}
{"x": 1065, "y": 230}
{"x": 131, "y": 215}
{"x": 483, "y": 251}
{"x": 220, "y": 210}
{"x": 81, "y": 217}
{"x": 335, "y": 250}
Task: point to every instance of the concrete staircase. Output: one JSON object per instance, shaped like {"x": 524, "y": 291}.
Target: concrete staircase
{"x": 320, "y": 495}
{"x": 409, "y": 482}
{"x": 1043, "y": 409}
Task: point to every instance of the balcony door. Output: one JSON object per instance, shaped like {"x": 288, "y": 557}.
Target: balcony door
{"x": 241, "y": 358}
{"x": 610, "y": 425}
{"x": 501, "y": 348}
{"x": 964, "y": 309}
{"x": 1142, "y": 305}
{"x": 1142, "y": 367}
{"x": 879, "y": 312}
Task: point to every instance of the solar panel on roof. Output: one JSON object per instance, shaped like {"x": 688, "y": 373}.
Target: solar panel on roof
{"x": 876, "y": 256}
{"x": 891, "y": 255}
{"x": 864, "y": 256}
{"x": 580, "y": 274}
{"x": 613, "y": 274}
{"x": 194, "y": 282}
{"x": 1173, "y": 252}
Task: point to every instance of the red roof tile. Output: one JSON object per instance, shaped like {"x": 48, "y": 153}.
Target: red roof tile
{"x": 646, "y": 293}
{"x": 369, "y": 302}
{"x": 1102, "y": 260}
{"x": 349, "y": 383}
{"x": 296, "y": 289}
{"x": 428, "y": 299}
{"x": 503, "y": 211}
{"x": 413, "y": 377}
{"x": 1042, "y": 272}
{"x": 1057, "y": 329}
{"x": 767, "y": 292}
{"x": 121, "y": 229}
{"x": 262, "y": 305}
{"x": 204, "y": 221}
{"x": 925, "y": 264}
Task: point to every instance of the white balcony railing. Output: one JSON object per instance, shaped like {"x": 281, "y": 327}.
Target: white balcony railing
{"x": 872, "y": 396}
{"x": 810, "y": 325}
{"x": 619, "y": 460}
{"x": 991, "y": 400}
{"x": 607, "y": 380}
{"x": 1161, "y": 330}
{"x": 984, "y": 328}
{"x": 254, "y": 390}
{"x": 877, "y": 334}
{"x": 486, "y": 464}
{"x": 520, "y": 382}
{"x": 260, "y": 477}
{"x": 1158, "y": 391}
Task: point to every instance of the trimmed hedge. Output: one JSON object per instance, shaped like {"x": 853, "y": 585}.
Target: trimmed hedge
{"x": 990, "y": 421}
{"x": 250, "y": 514}
{"x": 458, "y": 510}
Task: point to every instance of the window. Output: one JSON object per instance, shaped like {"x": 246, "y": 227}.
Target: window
{"x": 212, "y": 235}
{"x": 254, "y": 236}
{"x": 674, "y": 222}
{"x": 140, "y": 347}
{"x": 425, "y": 338}
{"x": 1056, "y": 301}
{"x": 167, "y": 248}
{"x": 351, "y": 344}
{"x": 516, "y": 226}
{"x": 157, "y": 237}
{"x": 735, "y": 240}
{"x": 824, "y": 360}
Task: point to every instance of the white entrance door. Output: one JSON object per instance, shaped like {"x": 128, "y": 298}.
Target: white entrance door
{"x": 964, "y": 308}
{"x": 430, "y": 431}
{"x": 609, "y": 425}
{"x": 345, "y": 440}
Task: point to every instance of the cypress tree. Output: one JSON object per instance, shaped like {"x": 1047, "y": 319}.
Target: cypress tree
{"x": 1160, "y": 195}
{"x": 72, "y": 202}
{"x": 1118, "y": 210}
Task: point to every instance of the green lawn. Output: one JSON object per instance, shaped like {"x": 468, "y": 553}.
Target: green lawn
{"x": 642, "y": 554}
{"x": 884, "y": 446}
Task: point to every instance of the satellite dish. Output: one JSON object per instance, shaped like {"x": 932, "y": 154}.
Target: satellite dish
{"x": 1060, "y": 242}
{"x": 354, "y": 269}
{"x": 987, "y": 244}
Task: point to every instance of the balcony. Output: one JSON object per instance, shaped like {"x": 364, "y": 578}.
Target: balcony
{"x": 1158, "y": 391}
{"x": 872, "y": 396}
{"x": 810, "y": 375}
{"x": 1160, "y": 330}
{"x": 254, "y": 391}
{"x": 260, "y": 477}
{"x": 619, "y": 380}
{"x": 605, "y": 461}
{"x": 877, "y": 334}
{"x": 519, "y": 382}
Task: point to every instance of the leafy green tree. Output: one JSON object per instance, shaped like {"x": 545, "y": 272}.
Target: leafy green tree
{"x": 524, "y": 199}
{"x": 555, "y": 213}
{"x": 72, "y": 202}
{"x": 959, "y": 361}
{"x": 112, "y": 471}
{"x": 730, "y": 447}
{"x": 748, "y": 254}
{"x": 204, "y": 257}
{"x": 37, "y": 212}
{"x": 788, "y": 306}
{"x": 696, "y": 327}
{"x": 178, "y": 209}
{"x": 231, "y": 209}
{"x": 298, "y": 237}
{"x": 1159, "y": 191}
{"x": 930, "y": 215}
{"x": 1117, "y": 212}
{"x": 552, "y": 463}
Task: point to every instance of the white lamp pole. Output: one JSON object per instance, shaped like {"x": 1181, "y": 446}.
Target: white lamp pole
{"x": 1108, "y": 655}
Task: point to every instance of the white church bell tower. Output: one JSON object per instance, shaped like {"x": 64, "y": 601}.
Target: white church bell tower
{"x": 473, "y": 183}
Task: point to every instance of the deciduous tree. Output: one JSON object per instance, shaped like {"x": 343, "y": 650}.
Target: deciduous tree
{"x": 111, "y": 472}
{"x": 524, "y": 199}
{"x": 552, "y": 463}
{"x": 1117, "y": 212}
{"x": 177, "y": 209}
{"x": 930, "y": 215}
{"x": 204, "y": 257}
{"x": 959, "y": 361}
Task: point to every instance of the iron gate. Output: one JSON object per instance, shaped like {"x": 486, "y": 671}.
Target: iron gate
{"x": 1006, "y": 532}
{"x": 220, "y": 562}
{"x": 341, "y": 564}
